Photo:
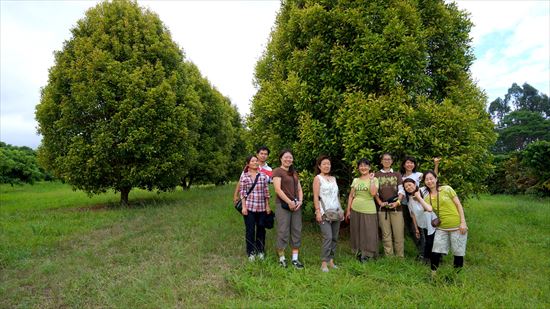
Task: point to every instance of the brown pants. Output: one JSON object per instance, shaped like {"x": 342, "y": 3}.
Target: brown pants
{"x": 393, "y": 234}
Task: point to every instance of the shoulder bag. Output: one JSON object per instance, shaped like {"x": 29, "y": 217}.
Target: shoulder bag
{"x": 239, "y": 204}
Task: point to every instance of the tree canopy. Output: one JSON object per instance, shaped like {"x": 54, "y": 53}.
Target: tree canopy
{"x": 219, "y": 131}
{"x": 354, "y": 79}
{"x": 121, "y": 108}
{"x": 522, "y": 117}
{"x": 526, "y": 98}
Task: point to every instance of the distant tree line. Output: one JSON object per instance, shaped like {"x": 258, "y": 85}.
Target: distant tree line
{"x": 18, "y": 165}
{"x": 123, "y": 109}
{"x": 522, "y": 150}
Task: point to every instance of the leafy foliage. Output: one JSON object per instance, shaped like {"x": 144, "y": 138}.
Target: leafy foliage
{"x": 535, "y": 158}
{"x": 526, "y": 171}
{"x": 522, "y": 117}
{"x": 354, "y": 79}
{"x": 18, "y": 165}
{"x": 219, "y": 133}
{"x": 122, "y": 109}
{"x": 520, "y": 128}
{"x": 526, "y": 98}
{"x": 523, "y": 127}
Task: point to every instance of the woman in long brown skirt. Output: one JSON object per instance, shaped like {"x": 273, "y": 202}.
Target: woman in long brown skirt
{"x": 361, "y": 212}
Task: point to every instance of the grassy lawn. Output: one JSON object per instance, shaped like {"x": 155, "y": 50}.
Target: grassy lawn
{"x": 59, "y": 248}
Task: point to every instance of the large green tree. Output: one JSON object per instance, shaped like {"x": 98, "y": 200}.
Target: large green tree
{"x": 218, "y": 135}
{"x": 354, "y": 78}
{"x": 119, "y": 110}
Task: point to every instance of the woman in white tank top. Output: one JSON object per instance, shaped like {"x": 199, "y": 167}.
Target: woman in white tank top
{"x": 328, "y": 211}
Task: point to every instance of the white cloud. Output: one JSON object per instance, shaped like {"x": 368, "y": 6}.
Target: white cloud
{"x": 15, "y": 127}
{"x": 225, "y": 43}
{"x": 524, "y": 39}
{"x": 523, "y": 52}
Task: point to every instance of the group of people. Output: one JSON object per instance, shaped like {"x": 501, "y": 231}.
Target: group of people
{"x": 386, "y": 202}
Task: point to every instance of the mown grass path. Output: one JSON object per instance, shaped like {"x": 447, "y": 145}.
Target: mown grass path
{"x": 59, "y": 248}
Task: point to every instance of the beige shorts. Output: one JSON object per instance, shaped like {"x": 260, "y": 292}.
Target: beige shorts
{"x": 453, "y": 239}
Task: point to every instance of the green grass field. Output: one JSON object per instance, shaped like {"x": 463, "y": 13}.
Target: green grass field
{"x": 59, "y": 248}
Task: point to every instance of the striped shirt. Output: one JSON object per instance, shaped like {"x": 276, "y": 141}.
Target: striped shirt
{"x": 256, "y": 200}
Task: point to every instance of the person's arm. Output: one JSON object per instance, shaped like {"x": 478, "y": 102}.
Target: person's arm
{"x": 351, "y": 197}
{"x": 462, "y": 228}
{"x": 418, "y": 197}
{"x": 236, "y": 193}
{"x": 436, "y": 165}
{"x": 379, "y": 200}
{"x": 400, "y": 192}
{"x": 416, "y": 230}
{"x": 316, "y": 203}
{"x": 373, "y": 184}
{"x": 242, "y": 185}
{"x": 300, "y": 194}
{"x": 266, "y": 194}
{"x": 280, "y": 193}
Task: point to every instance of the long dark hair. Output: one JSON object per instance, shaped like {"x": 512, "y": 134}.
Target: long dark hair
{"x": 291, "y": 169}
{"x": 245, "y": 170}
{"x": 436, "y": 180}
{"x": 413, "y": 160}
{"x": 319, "y": 160}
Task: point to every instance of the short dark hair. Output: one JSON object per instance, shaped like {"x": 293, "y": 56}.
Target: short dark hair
{"x": 320, "y": 159}
{"x": 382, "y": 159}
{"x": 363, "y": 161}
{"x": 408, "y": 158}
{"x": 386, "y": 154}
{"x": 263, "y": 148}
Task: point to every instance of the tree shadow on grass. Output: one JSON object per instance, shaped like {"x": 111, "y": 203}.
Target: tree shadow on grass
{"x": 138, "y": 203}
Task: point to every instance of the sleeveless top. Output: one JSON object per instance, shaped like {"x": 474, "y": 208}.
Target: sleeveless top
{"x": 328, "y": 193}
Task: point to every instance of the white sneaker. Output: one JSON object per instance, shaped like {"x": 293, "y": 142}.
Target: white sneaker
{"x": 261, "y": 256}
{"x": 324, "y": 269}
{"x": 251, "y": 258}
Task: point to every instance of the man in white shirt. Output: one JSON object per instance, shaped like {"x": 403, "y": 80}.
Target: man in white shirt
{"x": 262, "y": 154}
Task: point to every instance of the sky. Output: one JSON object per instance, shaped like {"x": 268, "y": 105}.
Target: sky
{"x": 225, "y": 39}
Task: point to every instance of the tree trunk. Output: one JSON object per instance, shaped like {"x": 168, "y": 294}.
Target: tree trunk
{"x": 124, "y": 196}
